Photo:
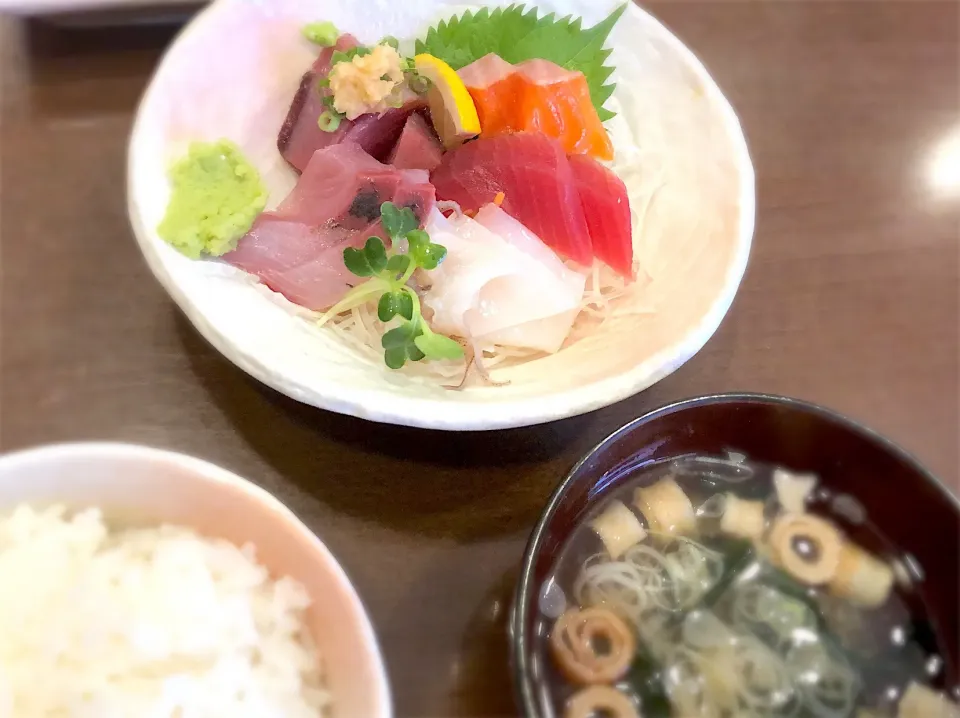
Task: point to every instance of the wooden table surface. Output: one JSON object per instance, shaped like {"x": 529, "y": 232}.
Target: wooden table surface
{"x": 850, "y": 300}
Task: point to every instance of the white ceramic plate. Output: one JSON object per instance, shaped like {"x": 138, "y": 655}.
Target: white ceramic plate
{"x": 680, "y": 149}
{"x": 136, "y": 485}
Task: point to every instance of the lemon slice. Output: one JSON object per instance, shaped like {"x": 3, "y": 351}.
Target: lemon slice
{"x": 454, "y": 114}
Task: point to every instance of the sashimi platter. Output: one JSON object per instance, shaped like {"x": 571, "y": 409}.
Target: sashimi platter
{"x": 443, "y": 215}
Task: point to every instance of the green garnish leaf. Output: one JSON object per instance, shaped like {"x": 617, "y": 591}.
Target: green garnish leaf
{"x": 356, "y": 262}
{"x": 405, "y": 306}
{"x": 391, "y": 41}
{"x": 324, "y": 34}
{"x": 424, "y": 252}
{"x": 395, "y": 304}
{"x": 517, "y": 34}
{"x": 387, "y": 307}
{"x": 438, "y": 347}
{"x": 388, "y": 272}
{"x": 395, "y": 357}
{"x": 413, "y": 351}
{"x": 400, "y": 345}
{"x": 400, "y": 336}
{"x": 398, "y": 222}
{"x": 366, "y": 262}
{"x": 400, "y": 355}
{"x": 376, "y": 254}
{"x": 398, "y": 264}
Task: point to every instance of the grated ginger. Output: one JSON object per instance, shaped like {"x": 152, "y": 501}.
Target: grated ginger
{"x": 367, "y": 83}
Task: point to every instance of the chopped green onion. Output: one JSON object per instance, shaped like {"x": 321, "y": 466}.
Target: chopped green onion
{"x": 418, "y": 83}
{"x": 323, "y": 83}
{"x": 324, "y": 34}
{"x": 359, "y": 51}
{"x": 391, "y": 41}
{"x": 329, "y": 121}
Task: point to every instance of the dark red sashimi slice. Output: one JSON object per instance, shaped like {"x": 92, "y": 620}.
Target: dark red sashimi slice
{"x": 379, "y": 134}
{"x": 300, "y": 136}
{"x": 607, "y": 209}
{"x": 297, "y": 249}
{"x": 418, "y": 148}
{"x": 533, "y": 173}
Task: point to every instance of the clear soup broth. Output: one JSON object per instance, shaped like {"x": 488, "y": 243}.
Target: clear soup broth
{"x": 716, "y": 587}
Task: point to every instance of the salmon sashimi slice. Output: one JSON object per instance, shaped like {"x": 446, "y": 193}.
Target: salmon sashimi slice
{"x": 297, "y": 249}
{"x": 538, "y": 185}
{"x": 606, "y": 206}
{"x": 537, "y": 96}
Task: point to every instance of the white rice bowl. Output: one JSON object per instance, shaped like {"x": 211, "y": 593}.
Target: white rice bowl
{"x": 679, "y": 148}
{"x": 194, "y": 594}
{"x": 147, "y": 622}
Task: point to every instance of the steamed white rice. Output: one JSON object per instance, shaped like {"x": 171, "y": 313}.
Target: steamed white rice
{"x": 148, "y": 623}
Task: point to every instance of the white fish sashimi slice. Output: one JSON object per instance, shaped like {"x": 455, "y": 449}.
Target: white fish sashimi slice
{"x": 516, "y": 233}
{"x": 469, "y": 265}
{"x": 503, "y": 301}
{"x": 507, "y": 290}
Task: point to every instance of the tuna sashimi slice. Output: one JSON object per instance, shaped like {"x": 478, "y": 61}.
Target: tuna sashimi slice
{"x": 606, "y": 206}
{"x": 300, "y": 136}
{"x": 536, "y": 179}
{"x": 297, "y": 249}
{"x": 418, "y": 148}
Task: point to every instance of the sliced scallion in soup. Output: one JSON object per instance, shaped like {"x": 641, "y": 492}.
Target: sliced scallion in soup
{"x": 719, "y": 588}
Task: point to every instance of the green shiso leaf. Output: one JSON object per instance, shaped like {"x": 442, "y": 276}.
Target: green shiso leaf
{"x": 517, "y": 34}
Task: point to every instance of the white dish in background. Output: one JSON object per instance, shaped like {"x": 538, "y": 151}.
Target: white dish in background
{"x": 245, "y": 58}
{"x": 135, "y": 485}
